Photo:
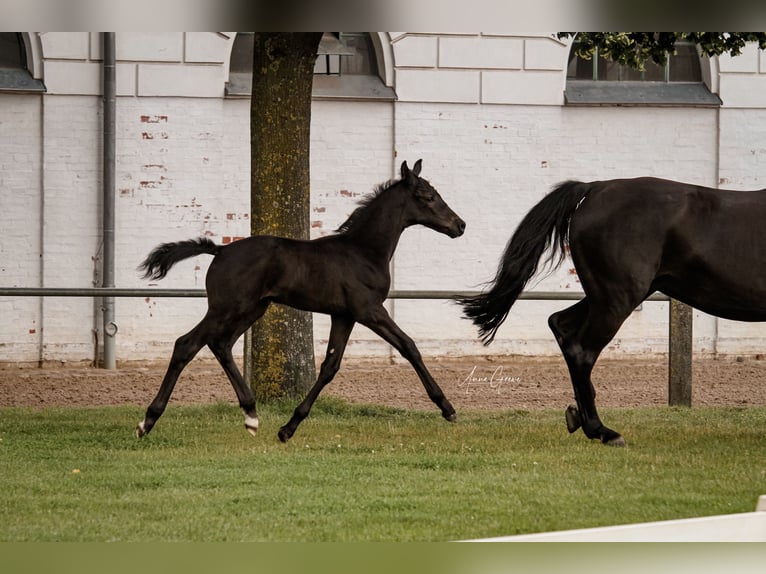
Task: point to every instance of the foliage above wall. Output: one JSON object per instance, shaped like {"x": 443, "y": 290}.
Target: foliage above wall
{"x": 634, "y": 49}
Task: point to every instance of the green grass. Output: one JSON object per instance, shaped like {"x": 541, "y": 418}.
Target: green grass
{"x": 365, "y": 473}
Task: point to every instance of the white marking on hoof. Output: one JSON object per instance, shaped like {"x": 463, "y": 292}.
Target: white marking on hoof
{"x": 617, "y": 441}
{"x": 140, "y": 429}
{"x": 251, "y": 424}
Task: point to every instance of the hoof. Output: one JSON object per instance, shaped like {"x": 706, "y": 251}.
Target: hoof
{"x": 452, "y": 418}
{"x": 284, "y": 435}
{"x": 140, "y": 429}
{"x": 617, "y": 441}
{"x": 573, "y": 418}
{"x": 251, "y": 424}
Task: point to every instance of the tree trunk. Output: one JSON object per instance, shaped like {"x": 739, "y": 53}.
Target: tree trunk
{"x": 280, "y": 352}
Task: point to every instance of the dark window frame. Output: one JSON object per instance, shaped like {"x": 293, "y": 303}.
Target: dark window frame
{"x": 15, "y": 76}
{"x": 342, "y": 83}
{"x": 613, "y": 84}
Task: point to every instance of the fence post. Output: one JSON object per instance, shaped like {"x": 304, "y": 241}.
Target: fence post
{"x": 680, "y": 355}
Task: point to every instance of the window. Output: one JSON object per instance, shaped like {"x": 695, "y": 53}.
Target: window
{"x": 683, "y": 66}
{"x": 12, "y": 54}
{"x": 599, "y": 81}
{"x": 14, "y": 75}
{"x": 346, "y": 68}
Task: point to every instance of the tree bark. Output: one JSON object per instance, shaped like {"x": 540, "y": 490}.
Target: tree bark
{"x": 279, "y": 354}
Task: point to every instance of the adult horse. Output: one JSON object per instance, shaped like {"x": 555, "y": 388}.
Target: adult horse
{"x": 345, "y": 275}
{"x": 628, "y": 238}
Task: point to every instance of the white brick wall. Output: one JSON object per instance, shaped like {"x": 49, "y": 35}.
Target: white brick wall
{"x": 71, "y": 237}
{"x": 499, "y": 162}
{"x": 20, "y": 202}
{"x": 484, "y": 111}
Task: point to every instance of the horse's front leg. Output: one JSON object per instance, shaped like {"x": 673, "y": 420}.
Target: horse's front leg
{"x": 184, "y": 350}
{"x": 339, "y": 333}
{"x": 380, "y": 322}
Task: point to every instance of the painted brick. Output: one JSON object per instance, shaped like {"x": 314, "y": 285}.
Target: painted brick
{"x": 481, "y": 53}
{"x": 746, "y": 62}
{"x": 438, "y": 85}
{"x": 743, "y": 90}
{"x": 150, "y": 46}
{"x": 207, "y": 47}
{"x": 126, "y": 79}
{"x": 178, "y": 80}
{"x": 742, "y": 156}
{"x": 66, "y": 45}
{"x": 183, "y": 171}
{"x": 545, "y": 54}
{"x": 73, "y": 78}
{"x": 531, "y": 88}
{"x": 20, "y": 201}
{"x": 416, "y": 51}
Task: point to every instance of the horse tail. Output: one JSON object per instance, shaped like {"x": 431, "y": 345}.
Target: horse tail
{"x": 545, "y": 227}
{"x": 163, "y": 257}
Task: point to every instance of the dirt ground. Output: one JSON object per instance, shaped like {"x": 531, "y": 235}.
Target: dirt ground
{"x": 472, "y": 383}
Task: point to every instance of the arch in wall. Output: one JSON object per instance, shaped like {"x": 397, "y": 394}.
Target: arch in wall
{"x": 381, "y": 42}
{"x": 34, "y": 51}
{"x": 22, "y": 70}
{"x": 590, "y": 85}
{"x": 237, "y": 75}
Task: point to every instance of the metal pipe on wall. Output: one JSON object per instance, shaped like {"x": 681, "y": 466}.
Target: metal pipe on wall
{"x": 108, "y": 221}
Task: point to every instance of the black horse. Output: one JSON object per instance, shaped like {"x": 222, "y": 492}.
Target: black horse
{"x": 345, "y": 275}
{"x": 628, "y": 238}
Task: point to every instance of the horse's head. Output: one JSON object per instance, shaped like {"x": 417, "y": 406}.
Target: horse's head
{"x": 426, "y": 206}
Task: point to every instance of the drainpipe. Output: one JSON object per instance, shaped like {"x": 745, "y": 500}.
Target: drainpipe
{"x": 107, "y": 275}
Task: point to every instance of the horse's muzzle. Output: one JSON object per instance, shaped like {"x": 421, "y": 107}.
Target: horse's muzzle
{"x": 457, "y": 229}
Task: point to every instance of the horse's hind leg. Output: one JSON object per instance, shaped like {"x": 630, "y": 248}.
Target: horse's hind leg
{"x": 336, "y": 346}
{"x": 582, "y": 335}
{"x": 185, "y": 349}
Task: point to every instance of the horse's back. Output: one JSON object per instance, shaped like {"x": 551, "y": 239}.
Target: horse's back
{"x": 320, "y": 275}
{"x": 701, "y": 245}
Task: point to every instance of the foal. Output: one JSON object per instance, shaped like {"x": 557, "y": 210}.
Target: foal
{"x": 345, "y": 275}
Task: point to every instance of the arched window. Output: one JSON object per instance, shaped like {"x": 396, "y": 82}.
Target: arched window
{"x": 683, "y": 66}
{"x": 346, "y": 68}
{"x": 599, "y": 81}
{"x": 12, "y": 53}
{"x": 14, "y": 72}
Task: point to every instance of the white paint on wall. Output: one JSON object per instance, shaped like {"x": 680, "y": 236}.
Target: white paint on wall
{"x": 484, "y": 112}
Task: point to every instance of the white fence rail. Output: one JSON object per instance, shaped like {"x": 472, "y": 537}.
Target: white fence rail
{"x": 743, "y": 527}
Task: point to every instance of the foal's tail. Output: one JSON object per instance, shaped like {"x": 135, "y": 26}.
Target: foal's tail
{"x": 546, "y": 226}
{"x": 163, "y": 257}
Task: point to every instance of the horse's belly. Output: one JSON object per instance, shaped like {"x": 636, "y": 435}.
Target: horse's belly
{"x": 738, "y": 301}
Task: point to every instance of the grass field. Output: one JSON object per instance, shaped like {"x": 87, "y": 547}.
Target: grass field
{"x": 355, "y": 473}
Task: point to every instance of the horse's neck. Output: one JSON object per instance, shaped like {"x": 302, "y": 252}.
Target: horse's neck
{"x": 382, "y": 226}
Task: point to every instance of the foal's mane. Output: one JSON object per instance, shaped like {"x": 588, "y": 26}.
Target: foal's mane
{"x": 364, "y": 204}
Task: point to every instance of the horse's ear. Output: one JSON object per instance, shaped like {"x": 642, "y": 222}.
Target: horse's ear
{"x": 411, "y": 176}
{"x": 405, "y": 171}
